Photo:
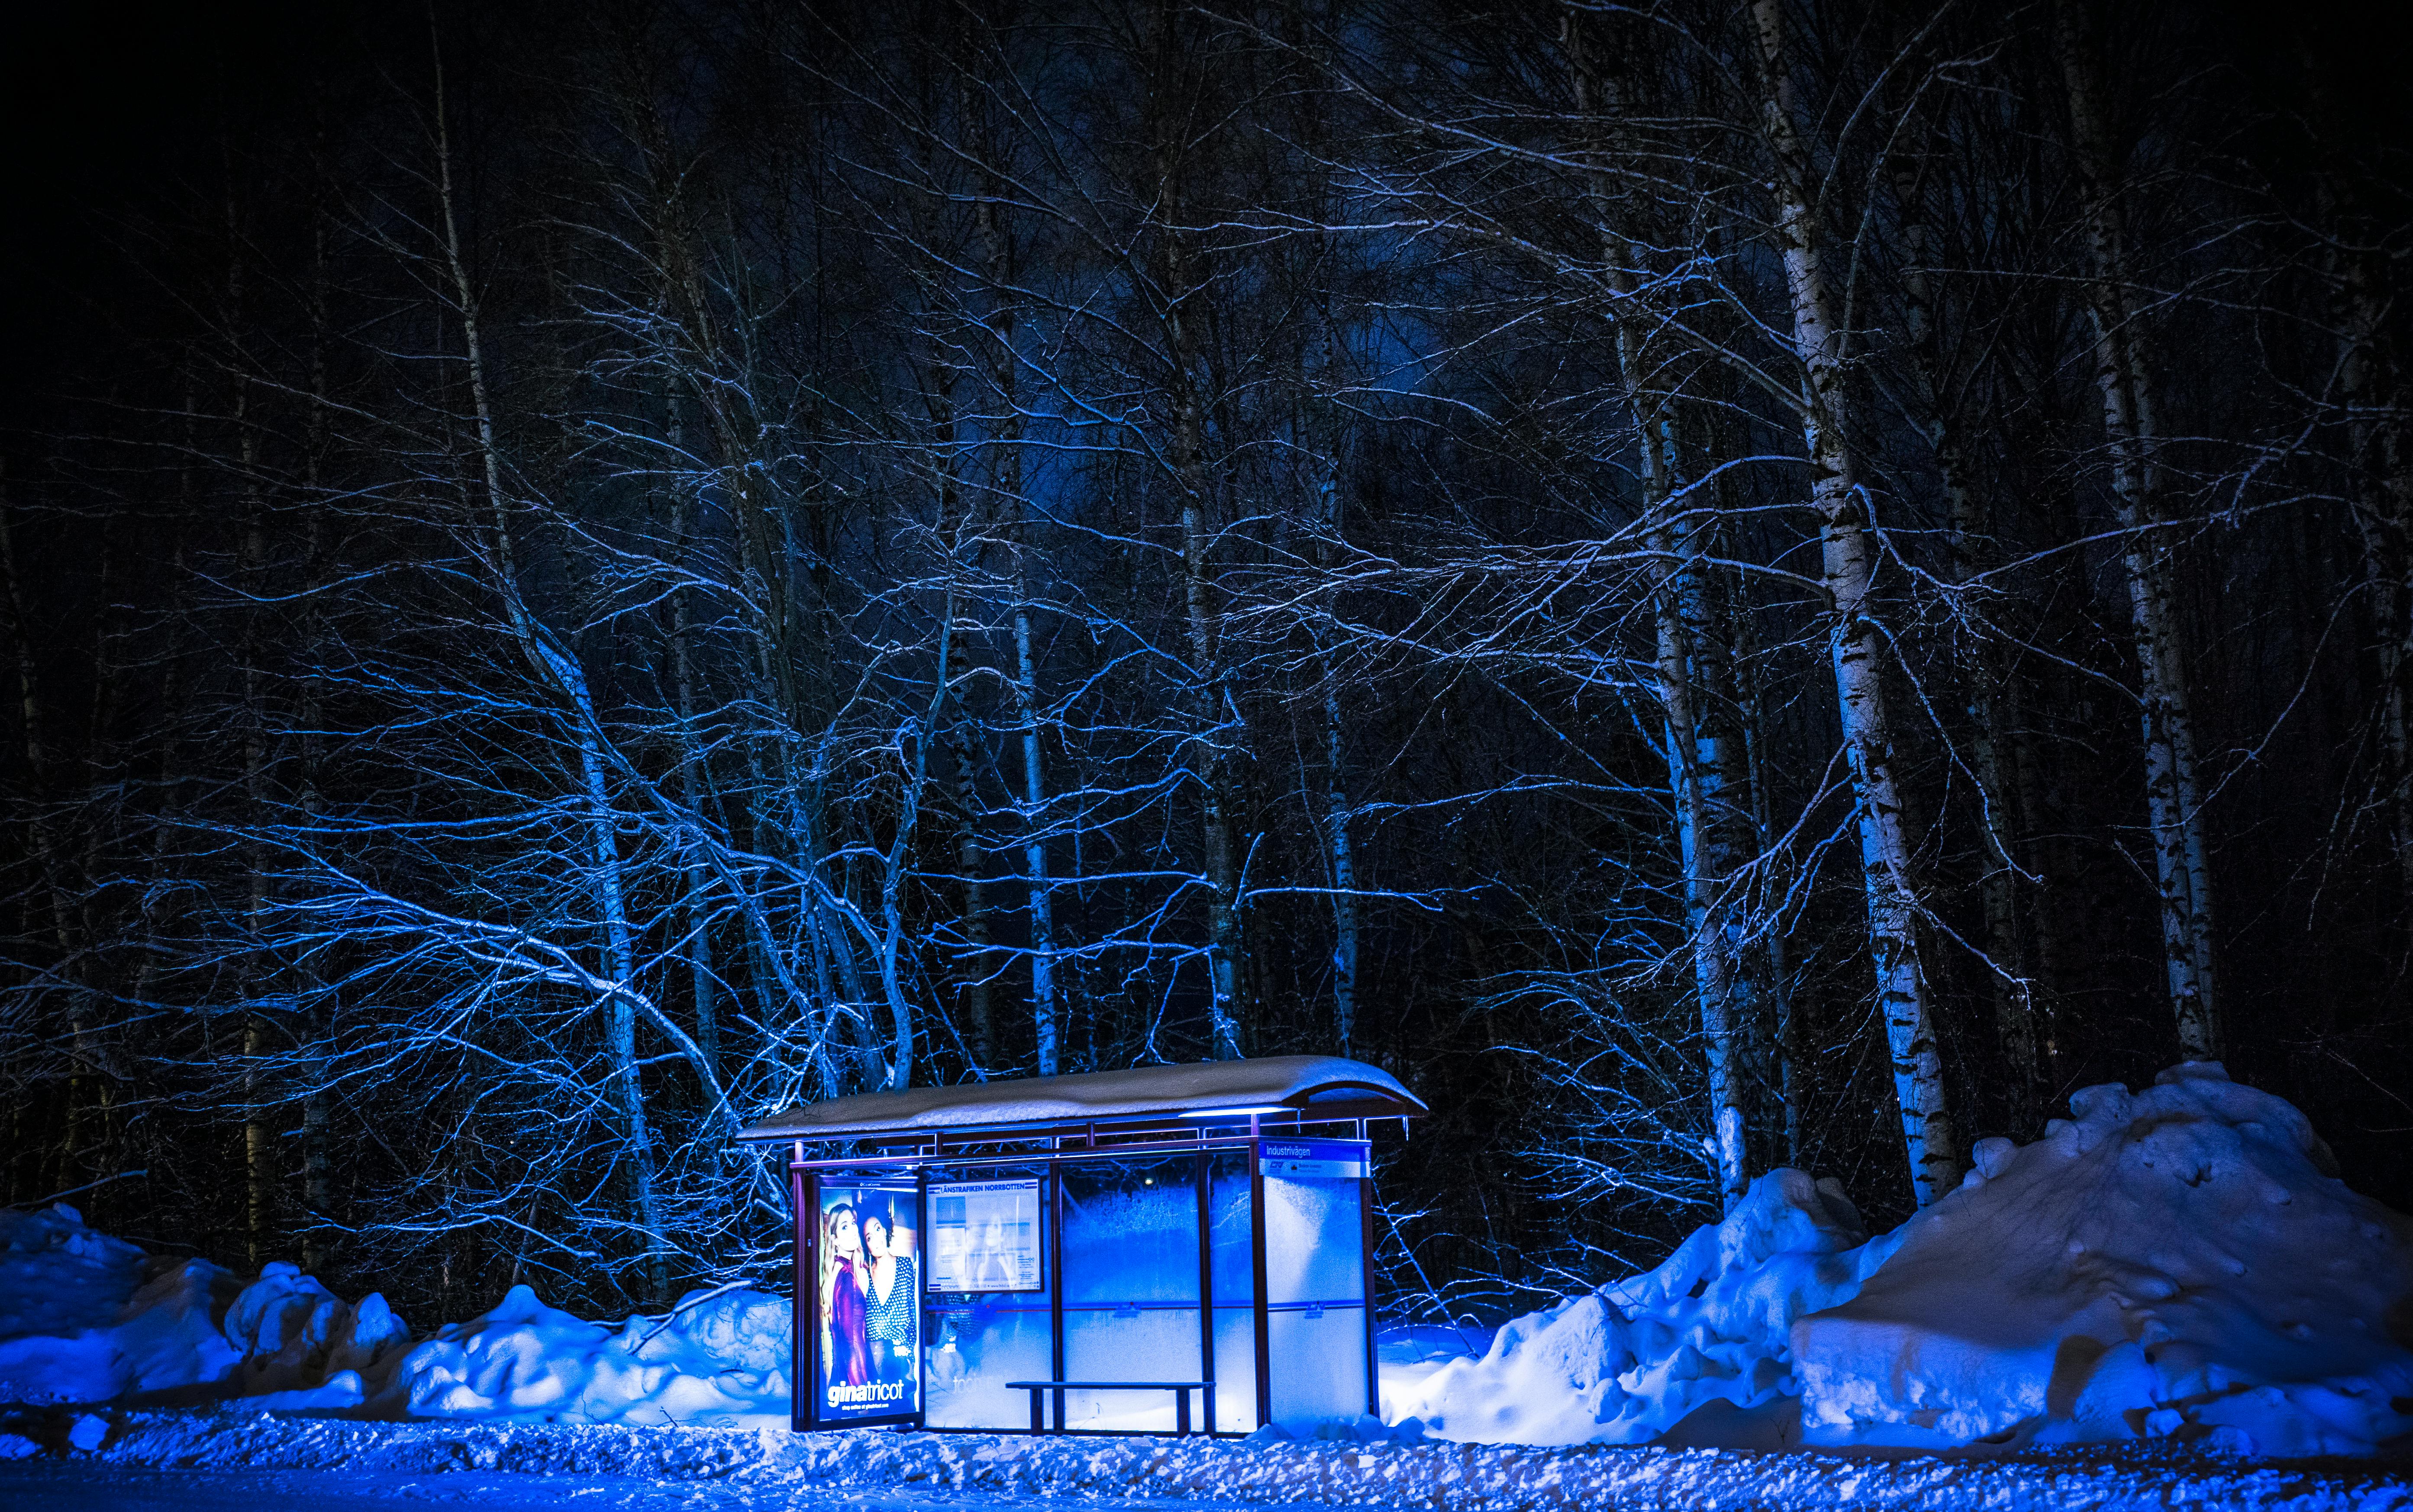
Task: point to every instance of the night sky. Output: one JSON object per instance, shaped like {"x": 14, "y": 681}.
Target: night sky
{"x": 110, "y": 110}
{"x": 109, "y": 106}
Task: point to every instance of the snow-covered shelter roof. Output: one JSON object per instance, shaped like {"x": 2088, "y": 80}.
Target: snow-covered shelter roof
{"x": 1313, "y": 1086}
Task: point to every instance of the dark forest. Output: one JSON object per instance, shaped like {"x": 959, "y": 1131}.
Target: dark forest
{"x": 1713, "y": 587}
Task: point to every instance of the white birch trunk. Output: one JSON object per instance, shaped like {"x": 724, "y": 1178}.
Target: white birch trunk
{"x": 1695, "y": 769}
{"x": 1034, "y": 848}
{"x": 620, "y": 957}
{"x": 1222, "y": 882}
{"x": 1857, "y": 650}
{"x": 1338, "y": 848}
{"x": 258, "y": 1146}
{"x": 2173, "y": 793}
{"x": 701, "y": 977}
{"x": 1713, "y": 982}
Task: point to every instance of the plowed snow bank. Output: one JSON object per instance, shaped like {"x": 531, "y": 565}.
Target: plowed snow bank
{"x": 85, "y": 1318}
{"x": 1628, "y": 1362}
{"x": 2174, "y": 1263}
{"x": 2170, "y": 1261}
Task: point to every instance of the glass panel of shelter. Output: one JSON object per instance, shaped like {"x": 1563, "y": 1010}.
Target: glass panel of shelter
{"x": 1131, "y": 1288}
{"x": 978, "y": 1339}
{"x": 1315, "y": 1294}
{"x": 1233, "y": 1269}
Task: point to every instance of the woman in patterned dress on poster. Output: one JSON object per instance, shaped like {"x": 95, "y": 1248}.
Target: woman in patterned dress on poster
{"x": 894, "y": 1297}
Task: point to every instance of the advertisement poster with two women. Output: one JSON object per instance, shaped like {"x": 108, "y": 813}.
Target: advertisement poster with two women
{"x": 870, "y": 1336}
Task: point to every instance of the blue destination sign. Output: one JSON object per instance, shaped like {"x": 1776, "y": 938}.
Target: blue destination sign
{"x": 1305, "y": 1159}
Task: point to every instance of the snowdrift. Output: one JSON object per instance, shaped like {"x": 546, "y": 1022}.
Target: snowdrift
{"x": 86, "y": 1319}
{"x": 1629, "y": 1362}
{"x": 2172, "y": 1263}
{"x": 720, "y": 1358}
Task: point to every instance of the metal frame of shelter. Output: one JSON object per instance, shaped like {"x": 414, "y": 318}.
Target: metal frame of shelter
{"x": 1056, "y": 1123}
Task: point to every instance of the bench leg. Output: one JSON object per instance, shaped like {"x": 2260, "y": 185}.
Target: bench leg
{"x": 1058, "y": 1395}
{"x": 1037, "y": 1424}
{"x": 1181, "y": 1411}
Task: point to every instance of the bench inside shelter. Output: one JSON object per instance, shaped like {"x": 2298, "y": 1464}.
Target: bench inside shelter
{"x": 1057, "y": 1389}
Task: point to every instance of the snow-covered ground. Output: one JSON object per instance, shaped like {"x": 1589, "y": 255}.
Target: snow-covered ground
{"x": 75, "y": 1487}
{"x": 2171, "y": 1268}
{"x": 775, "y": 1468}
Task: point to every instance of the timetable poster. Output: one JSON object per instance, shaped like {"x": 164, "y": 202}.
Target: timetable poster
{"x": 984, "y": 1235}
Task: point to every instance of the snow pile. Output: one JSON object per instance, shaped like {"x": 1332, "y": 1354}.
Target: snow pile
{"x": 303, "y": 1346}
{"x": 2174, "y": 1262}
{"x": 84, "y": 1317}
{"x": 1630, "y": 1362}
{"x": 1408, "y": 1356}
{"x": 721, "y": 1358}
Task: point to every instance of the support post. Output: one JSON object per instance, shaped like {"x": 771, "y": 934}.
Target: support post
{"x": 1365, "y": 1279}
{"x": 803, "y": 1186}
{"x": 1056, "y": 1283}
{"x": 1206, "y": 1287}
{"x": 1257, "y": 1273}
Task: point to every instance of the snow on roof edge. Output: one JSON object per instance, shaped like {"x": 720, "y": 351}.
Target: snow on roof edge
{"x": 1291, "y": 1080}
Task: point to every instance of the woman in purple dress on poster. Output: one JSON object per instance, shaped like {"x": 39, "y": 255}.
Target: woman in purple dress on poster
{"x": 846, "y": 1349}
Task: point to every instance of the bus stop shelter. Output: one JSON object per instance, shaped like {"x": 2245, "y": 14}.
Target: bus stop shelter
{"x": 1165, "y": 1249}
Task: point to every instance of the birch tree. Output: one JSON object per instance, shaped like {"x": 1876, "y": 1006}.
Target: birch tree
{"x": 1849, "y": 559}
{"x": 2174, "y": 788}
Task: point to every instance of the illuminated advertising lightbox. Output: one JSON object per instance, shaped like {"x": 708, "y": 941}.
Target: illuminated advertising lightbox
{"x": 984, "y": 1235}
{"x": 868, "y": 1345}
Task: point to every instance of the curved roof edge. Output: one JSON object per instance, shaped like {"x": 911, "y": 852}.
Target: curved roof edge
{"x": 1306, "y": 1083}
